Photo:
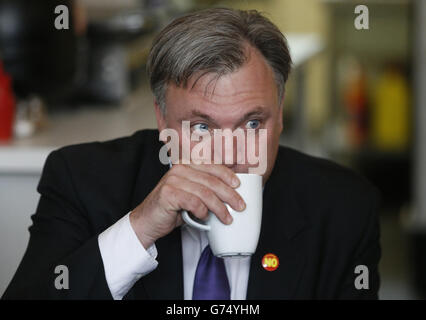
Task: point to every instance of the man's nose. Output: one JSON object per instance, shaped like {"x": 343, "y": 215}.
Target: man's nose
{"x": 232, "y": 154}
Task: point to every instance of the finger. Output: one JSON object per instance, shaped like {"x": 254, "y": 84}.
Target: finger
{"x": 178, "y": 199}
{"x": 222, "y": 190}
{"x": 220, "y": 171}
{"x": 179, "y": 221}
{"x": 209, "y": 198}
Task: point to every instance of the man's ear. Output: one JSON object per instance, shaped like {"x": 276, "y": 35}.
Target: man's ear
{"x": 161, "y": 120}
{"x": 280, "y": 115}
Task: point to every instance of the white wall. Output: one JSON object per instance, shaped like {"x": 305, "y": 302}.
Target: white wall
{"x": 18, "y": 201}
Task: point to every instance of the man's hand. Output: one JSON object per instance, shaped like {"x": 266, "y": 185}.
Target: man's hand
{"x": 195, "y": 188}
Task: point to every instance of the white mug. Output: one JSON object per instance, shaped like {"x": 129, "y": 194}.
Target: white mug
{"x": 240, "y": 238}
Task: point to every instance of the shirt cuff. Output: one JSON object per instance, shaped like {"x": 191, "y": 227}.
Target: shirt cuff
{"x": 124, "y": 257}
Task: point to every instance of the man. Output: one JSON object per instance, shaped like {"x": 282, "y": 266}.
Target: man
{"x": 110, "y": 212}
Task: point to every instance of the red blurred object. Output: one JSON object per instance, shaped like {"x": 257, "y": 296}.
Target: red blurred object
{"x": 7, "y": 106}
{"x": 356, "y": 101}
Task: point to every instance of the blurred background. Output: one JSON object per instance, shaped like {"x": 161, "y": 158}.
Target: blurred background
{"x": 354, "y": 96}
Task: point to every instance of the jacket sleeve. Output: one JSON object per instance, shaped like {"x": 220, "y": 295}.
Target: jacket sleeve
{"x": 60, "y": 235}
{"x": 362, "y": 280}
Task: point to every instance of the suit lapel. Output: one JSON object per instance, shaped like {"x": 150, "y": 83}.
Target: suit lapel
{"x": 166, "y": 281}
{"x": 281, "y": 234}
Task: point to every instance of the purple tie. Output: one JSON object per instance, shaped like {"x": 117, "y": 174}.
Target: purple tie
{"x": 210, "y": 282}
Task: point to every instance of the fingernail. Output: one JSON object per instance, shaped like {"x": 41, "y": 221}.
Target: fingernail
{"x": 235, "y": 182}
{"x": 242, "y": 205}
{"x": 229, "y": 219}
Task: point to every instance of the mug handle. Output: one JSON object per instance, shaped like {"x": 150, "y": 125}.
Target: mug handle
{"x": 192, "y": 223}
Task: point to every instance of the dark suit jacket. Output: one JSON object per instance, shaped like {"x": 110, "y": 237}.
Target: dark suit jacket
{"x": 320, "y": 219}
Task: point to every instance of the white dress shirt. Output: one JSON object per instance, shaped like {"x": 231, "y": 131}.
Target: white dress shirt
{"x": 125, "y": 260}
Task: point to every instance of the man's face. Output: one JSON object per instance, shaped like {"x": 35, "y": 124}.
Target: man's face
{"x": 246, "y": 99}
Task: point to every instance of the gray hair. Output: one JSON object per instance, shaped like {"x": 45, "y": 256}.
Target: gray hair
{"x": 214, "y": 41}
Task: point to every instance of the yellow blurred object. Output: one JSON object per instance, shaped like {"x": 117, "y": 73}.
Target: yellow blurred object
{"x": 390, "y": 113}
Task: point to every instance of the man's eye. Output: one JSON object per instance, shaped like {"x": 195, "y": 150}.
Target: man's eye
{"x": 253, "y": 124}
{"x": 201, "y": 128}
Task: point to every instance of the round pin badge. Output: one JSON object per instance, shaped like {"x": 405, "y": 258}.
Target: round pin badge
{"x": 270, "y": 262}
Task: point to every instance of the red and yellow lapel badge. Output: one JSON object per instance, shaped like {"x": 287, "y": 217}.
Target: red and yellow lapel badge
{"x": 270, "y": 262}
